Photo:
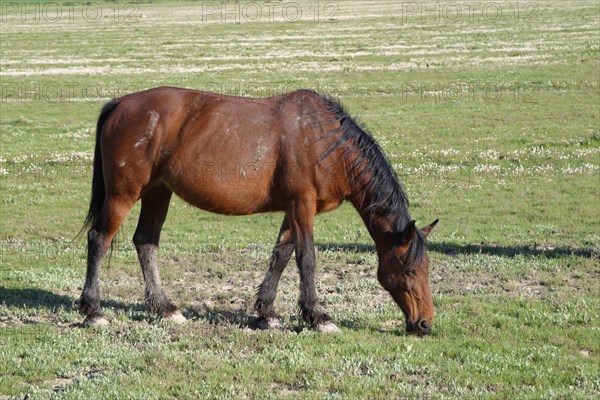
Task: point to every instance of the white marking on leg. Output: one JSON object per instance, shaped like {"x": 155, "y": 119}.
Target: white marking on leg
{"x": 177, "y": 318}
{"x": 271, "y": 323}
{"x": 328, "y": 327}
{"x": 98, "y": 321}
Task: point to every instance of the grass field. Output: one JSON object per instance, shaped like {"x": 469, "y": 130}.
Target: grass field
{"x": 489, "y": 112}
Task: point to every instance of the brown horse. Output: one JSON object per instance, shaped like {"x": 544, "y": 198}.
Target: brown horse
{"x": 298, "y": 152}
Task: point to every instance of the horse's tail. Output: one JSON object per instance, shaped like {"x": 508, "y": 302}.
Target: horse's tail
{"x": 98, "y": 188}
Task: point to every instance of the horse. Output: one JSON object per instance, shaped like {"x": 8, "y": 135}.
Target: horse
{"x": 298, "y": 152}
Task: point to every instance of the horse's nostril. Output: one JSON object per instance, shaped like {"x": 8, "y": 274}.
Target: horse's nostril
{"x": 424, "y": 326}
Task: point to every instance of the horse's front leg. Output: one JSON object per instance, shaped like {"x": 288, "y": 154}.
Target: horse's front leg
{"x": 282, "y": 252}
{"x": 301, "y": 217}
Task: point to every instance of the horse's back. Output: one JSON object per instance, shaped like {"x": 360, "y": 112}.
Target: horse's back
{"x": 227, "y": 154}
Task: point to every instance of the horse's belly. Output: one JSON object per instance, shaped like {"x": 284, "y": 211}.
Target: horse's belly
{"x": 218, "y": 171}
{"x": 225, "y": 190}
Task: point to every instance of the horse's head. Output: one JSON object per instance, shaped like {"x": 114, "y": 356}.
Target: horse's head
{"x": 404, "y": 273}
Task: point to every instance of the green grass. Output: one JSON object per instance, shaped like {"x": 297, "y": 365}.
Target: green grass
{"x": 492, "y": 125}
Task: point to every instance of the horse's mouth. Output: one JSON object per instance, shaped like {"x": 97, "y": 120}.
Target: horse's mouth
{"x": 421, "y": 327}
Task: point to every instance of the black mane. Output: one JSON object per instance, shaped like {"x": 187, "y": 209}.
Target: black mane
{"x": 384, "y": 194}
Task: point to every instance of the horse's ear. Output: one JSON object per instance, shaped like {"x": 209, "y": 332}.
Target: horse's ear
{"x": 408, "y": 234}
{"x": 426, "y": 230}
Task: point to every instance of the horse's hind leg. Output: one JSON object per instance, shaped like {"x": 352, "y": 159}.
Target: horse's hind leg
{"x": 268, "y": 288}
{"x": 100, "y": 237}
{"x": 155, "y": 204}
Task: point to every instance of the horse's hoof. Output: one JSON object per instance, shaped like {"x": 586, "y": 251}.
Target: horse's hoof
{"x": 177, "y": 317}
{"x": 268, "y": 323}
{"x": 328, "y": 327}
{"x": 95, "y": 321}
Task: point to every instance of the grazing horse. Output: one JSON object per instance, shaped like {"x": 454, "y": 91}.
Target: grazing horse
{"x": 299, "y": 152}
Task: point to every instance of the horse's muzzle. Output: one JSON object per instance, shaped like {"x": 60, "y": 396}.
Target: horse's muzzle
{"x": 421, "y": 327}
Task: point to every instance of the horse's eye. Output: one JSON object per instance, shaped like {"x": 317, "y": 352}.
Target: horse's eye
{"x": 411, "y": 271}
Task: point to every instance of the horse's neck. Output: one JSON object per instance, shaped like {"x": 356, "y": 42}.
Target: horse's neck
{"x": 378, "y": 224}
{"x": 374, "y": 189}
